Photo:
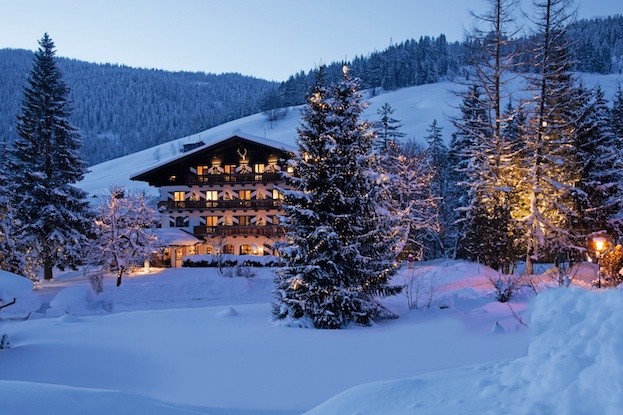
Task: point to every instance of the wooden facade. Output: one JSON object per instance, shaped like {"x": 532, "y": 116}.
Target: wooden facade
{"x": 225, "y": 193}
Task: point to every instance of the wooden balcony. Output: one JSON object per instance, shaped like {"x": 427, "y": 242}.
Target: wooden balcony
{"x": 193, "y": 179}
{"x": 257, "y": 204}
{"x": 269, "y": 231}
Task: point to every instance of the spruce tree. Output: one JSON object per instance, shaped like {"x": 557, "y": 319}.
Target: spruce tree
{"x": 598, "y": 193}
{"x": 10, "y": 258}
{"x": 44, "y": 162}
{"x": 616, "y": 114}
{"x": 488, "y": 222}
{"x": 437, "y": 164}
{"x": 550, "y": 170}
{"x": 341, "y": 240}
{"x": 465, "y": 158}
{"x": 387, "y": 128}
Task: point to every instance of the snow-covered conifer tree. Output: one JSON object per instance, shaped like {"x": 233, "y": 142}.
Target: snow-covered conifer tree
{"x": 465, "y": 157}
{"x": 488, "y": 222}
{"x": 123, "y": 229}
{"x": 387, "y": 128}
{"x": 550, "y": 168}
{"x": 598, "y": 193}
{"x": 616, "y": 113}
{"x": 10, "y": 257}
{"x": 341, "y": 239}
{"x": 437, "y": 164}
{"x": 44, "y": 164}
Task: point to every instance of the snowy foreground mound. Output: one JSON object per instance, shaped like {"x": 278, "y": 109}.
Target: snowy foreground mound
{"x": 574, "y": 366}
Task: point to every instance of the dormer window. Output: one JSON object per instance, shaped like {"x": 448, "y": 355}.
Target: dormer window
{"x": 259, "y": 168}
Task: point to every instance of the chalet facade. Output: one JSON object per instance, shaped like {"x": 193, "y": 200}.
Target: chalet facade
{"x": 223, "y": 193}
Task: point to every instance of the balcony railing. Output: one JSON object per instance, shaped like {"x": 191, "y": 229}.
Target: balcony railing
{"x": 269, "y": 231}
{"x": 193, "y": 179}
{"x": 221, "y": 204}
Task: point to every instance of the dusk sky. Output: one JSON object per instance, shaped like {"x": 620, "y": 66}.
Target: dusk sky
{"x": 268, "y": 39}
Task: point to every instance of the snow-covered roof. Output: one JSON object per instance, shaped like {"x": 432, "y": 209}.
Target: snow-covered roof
{"x": 176, "y": 237}
{"x": 210, "y": 142}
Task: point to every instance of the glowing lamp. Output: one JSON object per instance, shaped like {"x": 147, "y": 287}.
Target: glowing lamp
{"x": 600, "y": 243}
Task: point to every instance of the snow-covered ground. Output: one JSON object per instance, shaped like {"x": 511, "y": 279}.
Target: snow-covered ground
{"x": 189, "y": 340}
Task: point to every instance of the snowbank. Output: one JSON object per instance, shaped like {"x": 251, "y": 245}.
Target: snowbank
{"x": 574, "y": 366}
{"x": 18, "y": 288}
{"x": 17, "y": 398}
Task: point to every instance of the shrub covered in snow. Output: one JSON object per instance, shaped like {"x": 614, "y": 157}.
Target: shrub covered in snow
{"x": 610, "y": 265}
{"x": 227, "y": 260}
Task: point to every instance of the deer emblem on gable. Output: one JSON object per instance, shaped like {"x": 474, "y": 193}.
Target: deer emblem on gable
{"x": 242, "y": 152}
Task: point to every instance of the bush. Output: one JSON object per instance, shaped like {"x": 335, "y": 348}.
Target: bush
{"x": 230, "y": 261}
{"x": 610, "y": 264}
{"x": 505, "y": 286}
{"x": 239, "y": 271}
{"x": 4, "y": 342}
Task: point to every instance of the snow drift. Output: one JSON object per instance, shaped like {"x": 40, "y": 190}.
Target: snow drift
{"x": 574, "y": 366}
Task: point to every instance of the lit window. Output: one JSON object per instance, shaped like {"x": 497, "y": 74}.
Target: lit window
{"x": 230, "y": 168}
{"x": 259, "y": 168}
{"x": 228, "y": 249}
{"x": 179, "y": 196}
{"x": 211, "y": 220}
{"x": 212, "y": 195}
{"x": 209, "y": 250}
{"x": 244, "y": 220}
{"x": 203, "y": 170}
{"x": 277, "y": 195}
{"x": 244, "y": 194}
{"x": 245, "y": 249}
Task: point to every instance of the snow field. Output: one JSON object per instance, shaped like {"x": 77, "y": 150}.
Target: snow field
{"x": 574, "y": 365}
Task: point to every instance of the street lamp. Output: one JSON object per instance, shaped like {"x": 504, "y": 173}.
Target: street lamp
{"x": 600, "y": 246}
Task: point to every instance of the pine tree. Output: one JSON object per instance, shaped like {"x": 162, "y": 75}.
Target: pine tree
{"x": 387, "y": 129}
{"x": 598, "y": 193}
{"x": 437, "y": 164}
{"x": 123, "y": 236}
{"x": 341, "y": 240}
{"x": 616, "y": 114}
{"x": 465, "y": 158}
{"x": 550, "y": 171}
{"x": 44, "y": 162}
{"x": 488, "y": 221}
{"x": 10, "y": 258}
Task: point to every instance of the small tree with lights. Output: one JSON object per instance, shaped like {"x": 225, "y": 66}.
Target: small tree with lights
{"x": 122, "y": 228}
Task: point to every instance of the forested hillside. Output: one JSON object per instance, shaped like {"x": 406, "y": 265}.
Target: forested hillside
{"x": 121, "y": 110}
{"x": 597, "y": 45}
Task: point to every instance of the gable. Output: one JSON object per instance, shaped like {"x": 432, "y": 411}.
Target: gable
{"x": 235, "y": 150}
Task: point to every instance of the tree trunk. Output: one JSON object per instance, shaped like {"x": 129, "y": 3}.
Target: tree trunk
{"x": 529, "y": 267}
{"x": 47, "y": 271}
{"x": 118, "y": 280}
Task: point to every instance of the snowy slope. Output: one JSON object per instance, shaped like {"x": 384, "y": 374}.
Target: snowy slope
{"x": 416, "y": 107}
{"x": 574, "y": 366}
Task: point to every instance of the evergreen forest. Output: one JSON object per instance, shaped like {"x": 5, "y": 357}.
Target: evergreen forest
{"x": 120, "y": 110}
